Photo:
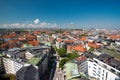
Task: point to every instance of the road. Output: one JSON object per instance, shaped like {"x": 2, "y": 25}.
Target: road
{"x": 59, "y": 75}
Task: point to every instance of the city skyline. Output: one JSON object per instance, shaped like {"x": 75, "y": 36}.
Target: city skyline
{"x": 60, "y": 13}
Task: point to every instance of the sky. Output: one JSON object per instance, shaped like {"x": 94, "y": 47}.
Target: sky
{"x": 60, "y": 13}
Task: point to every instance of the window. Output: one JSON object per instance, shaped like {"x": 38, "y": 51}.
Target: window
{"x": 94, "y": 64}
{"x": 99, "y": 68}
{"x": 98, "y": 72}
{"x": 94, "y": 67}
{"x": 106, "y": 74}
{"x": 94, "y": 71}
{"x": 103, "y": 70}
{"x": 95, "y": 61}
{"x": 118, "y": 73}
{"x": 94, "y": 74}
{"x": 102, "y": 78}
{"x": 104, "y": 66}
{"x": 112, "y": 70}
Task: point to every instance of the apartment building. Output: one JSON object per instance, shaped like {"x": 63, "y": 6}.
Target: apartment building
{"x": 1, "y": 65}
{"x": 16, "y": 59}
{"x": 25, "y": 72}
{"x": 11, "y": 66}
{"x": 102, "y": 67}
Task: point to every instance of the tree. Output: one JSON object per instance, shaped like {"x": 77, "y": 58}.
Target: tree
{"x": 91, "y": 49}
{"x": 61, "y": 52}
{"x": 62, "y": 62}
{"x": 9, "y": 76}
{"x": 83, "y": 35}
{"x": 73, "y": 55}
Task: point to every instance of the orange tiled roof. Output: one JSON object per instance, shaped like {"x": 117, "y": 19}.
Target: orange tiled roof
{"x": 68, "y": 41}
{"x": 36, "y": 32}
{"x": 59, "y": 40}
{"x": 3, "y": 45}
{"x": 81, "y": 58}
{"x": 30, "y": 37}
{"x": 10, "y": 46}
{"x": 94, "y": 45}
{"x": 11, "y": 41}
{"x": 12, "y": 35}
{"x": 21, "y": 38}
{"x": 79, "y": 47}
{"x": 114, "y": 37}
{"x": 83, "y": 39}
{"x": 33, "y": 43}
{"x": 6, "y": 36}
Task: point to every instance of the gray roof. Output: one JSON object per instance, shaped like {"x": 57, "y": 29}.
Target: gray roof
{"x": 109, "y": 60}
{"x": 29, "y": 73}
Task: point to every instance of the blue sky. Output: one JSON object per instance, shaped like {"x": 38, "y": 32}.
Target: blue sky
{"x": 63, "y": 13}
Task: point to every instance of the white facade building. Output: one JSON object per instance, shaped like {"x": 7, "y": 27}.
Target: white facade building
{"x": 102, "y": 71}
{"x": 11, "y": 67}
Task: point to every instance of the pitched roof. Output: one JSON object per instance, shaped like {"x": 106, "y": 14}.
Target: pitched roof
{"x": 94, "y": 45}
{"x": 79, "y": 59}
{"x": 34, "y": 43}
{"x": 83, "y": 39}
{"x": 68, "y": 41}
{"x": 79, "y": 47}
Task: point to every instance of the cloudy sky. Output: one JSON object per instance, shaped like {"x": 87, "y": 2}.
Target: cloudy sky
{"x": 60, "y": 13}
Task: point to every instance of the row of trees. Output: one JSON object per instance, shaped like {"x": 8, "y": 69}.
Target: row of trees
{"x": 62, "y": 52}
{"x": 69, "y": 57}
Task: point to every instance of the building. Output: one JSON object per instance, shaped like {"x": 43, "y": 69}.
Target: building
{"x": 102, "y": 67}
{"x": 11, "y": 66}
{"x": 71, "y": 71}
{"x": 1, "y": 65}
{"x": 28, "y": 72}
{"x": 14, "y": 60}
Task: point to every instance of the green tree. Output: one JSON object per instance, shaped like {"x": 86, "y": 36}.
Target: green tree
{"x": 62, "y": 52}
{"x": 73, "y": 55}
{"x": 83, "y": 35}
{"x": 9, "y": 76}
{"x": 91, "y": 49}
{"x": 62, "y": 62}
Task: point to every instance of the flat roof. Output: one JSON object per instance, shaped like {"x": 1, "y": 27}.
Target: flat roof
{"x": 27, "y": 45}
{"x": 109, "y": 60}
{"x": 71, "y": 70}
{"x": 34, "y": 60}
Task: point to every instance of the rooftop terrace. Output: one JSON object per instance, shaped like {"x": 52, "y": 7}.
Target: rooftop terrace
{"x": 34, "y": 61}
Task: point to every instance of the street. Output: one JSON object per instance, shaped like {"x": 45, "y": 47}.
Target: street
{"x": 58, "y": 75}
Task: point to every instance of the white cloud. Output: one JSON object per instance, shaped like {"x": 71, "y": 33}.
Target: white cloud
{"x": 36, "y": 21}
{"x": 36, "y": 24}
{"x": 44, "y": 24}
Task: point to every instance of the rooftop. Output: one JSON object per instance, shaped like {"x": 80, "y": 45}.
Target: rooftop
{"x": 109, "y": 60}
{"x": 34, "y": 61}
{"x": 27, "y": 45}
{"x": 71, "y": 70}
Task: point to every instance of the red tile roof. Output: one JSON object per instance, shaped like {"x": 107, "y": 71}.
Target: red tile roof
{"x": 3, "y": 45}
{"x": 30, "y": 37}
{"x": 114, "y": 37}
{"x": 59, "y": 40}
{"x": 6, "y": 36}
{"x": 81, "y": 58}
{"x": 33, "y": 43}
{"x": 83, "y": 39}
{"x": 79, "y": 47}
{"x": 36, "y": 32}
{"x": 68, "y": 41}
{"x": 21, "y": 38}
{"x": 94, "y": 45}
